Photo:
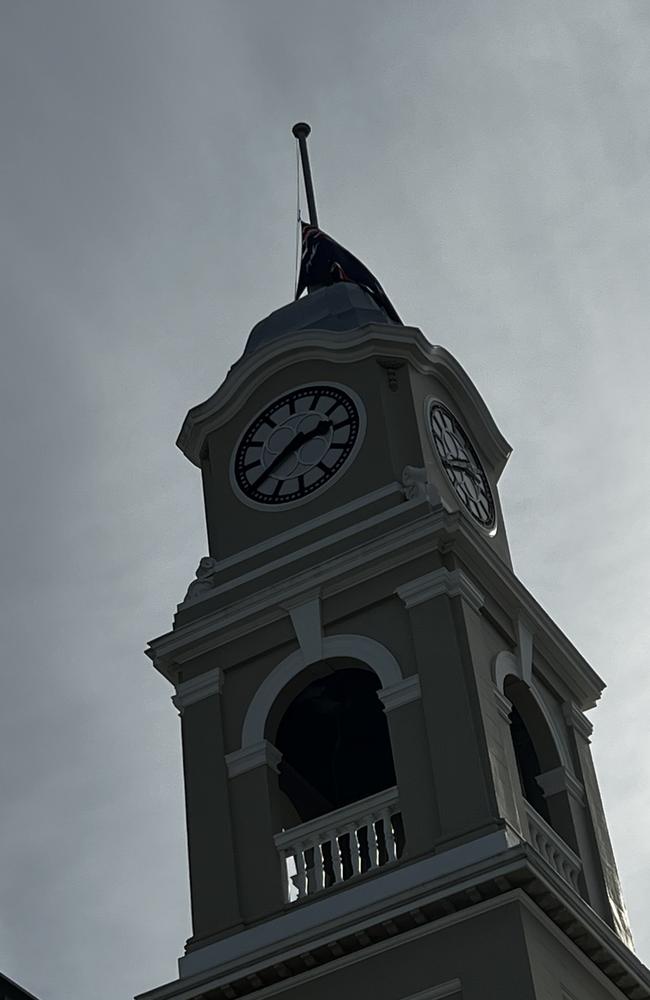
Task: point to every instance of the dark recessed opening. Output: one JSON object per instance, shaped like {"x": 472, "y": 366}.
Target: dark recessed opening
{"x": 335, "y": 743}
{"x": 528, "y": 764}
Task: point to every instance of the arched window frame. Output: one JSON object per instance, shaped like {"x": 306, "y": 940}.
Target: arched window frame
{"x": 559, "y": 781}
{"x": 355, "y": 647}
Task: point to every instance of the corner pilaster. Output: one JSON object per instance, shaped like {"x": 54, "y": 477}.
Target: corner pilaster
{"x": 214, "y": 891}
{"x": 464, "y": 796}
{"x": 603, "y": 883}
{"x": 253, "y": 778}
{"x": 403, "y": 707}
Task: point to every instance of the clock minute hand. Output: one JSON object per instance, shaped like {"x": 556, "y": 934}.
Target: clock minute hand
{"x": 301, "y": 438}
{"x": 459, "y": 463}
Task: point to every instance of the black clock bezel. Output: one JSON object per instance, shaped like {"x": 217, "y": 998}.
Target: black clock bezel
{"x": 346, "y": 397}
{"x": 489, "y": 526}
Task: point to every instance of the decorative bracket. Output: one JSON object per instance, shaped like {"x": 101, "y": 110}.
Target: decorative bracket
{"x": 417, "y": 486}
{"x": 305, "y": 614}
{"x": 392, "y": 366}
{"x": 206, "y": 579}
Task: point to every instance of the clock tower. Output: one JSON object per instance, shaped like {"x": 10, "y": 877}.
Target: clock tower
{"x": 388, "y": 779}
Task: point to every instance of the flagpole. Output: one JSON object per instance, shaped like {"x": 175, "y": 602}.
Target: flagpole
{"x": 301, "y": 130}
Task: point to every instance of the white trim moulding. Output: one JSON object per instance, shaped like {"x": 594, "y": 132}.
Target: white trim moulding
{"x": 401, "y": 693}
{"x": 197, "y": 688}
{"x": 245, "y": 759}
{"x": 454, "y": 583}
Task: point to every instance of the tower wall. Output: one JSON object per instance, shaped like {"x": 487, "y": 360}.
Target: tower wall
{"x": 490, "y": 851}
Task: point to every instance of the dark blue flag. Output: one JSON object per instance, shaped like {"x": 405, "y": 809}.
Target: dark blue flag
{"x": 324, "y": 262}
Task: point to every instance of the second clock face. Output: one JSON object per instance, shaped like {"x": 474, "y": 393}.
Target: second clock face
{"x": 297, "y": 444}
{"x": 462, "y": 464}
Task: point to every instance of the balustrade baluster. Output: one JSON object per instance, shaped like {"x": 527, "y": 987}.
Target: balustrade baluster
{"x": 355, "y": 853}
{"x": 300, "y": 879}
{"x": 336, "y": 857}
{"x": 287, "y": 880}
{"x": 552, "y": 848}
{"x": 389, "y": 836}
{"x": 373, "y": 842}
{"x": 344, "y": 844}
{"x": 310, "y": 867}
{"x": 318, "y": 871}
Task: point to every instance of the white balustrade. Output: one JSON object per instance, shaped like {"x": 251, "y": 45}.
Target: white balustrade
{"x": 340, "y": 845}
{"x": 552, "y": 848}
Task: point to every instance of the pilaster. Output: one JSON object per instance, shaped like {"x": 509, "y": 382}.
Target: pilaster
{"x": 464, "y": 794}
{"x": 403, "y": 708}
{"x": 254, "y": 783}
{"x": 606, "y": 895}
{"x": 214, "y": 897}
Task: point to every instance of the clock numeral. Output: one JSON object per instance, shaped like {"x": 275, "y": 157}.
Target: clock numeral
{"x": 341, "y": 423}
{"x": 252, "y": 465}
{"x": 315, "y": 399}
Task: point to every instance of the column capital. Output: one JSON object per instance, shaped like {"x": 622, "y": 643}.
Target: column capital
{"x": 396, "y": 695}
{"x": 577, "y": 720}
{"x": 197, "y": 688}
{"x": 454, "y": 583}
{"x": 257, "y": 755}
{"x": 561, "y": 780}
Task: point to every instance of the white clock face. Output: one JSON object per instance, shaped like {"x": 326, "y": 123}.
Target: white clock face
{"x": 462, "y": 464}
{"x": 297, "y": 444}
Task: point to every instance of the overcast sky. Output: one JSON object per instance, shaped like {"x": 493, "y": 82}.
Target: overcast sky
{"x": 488, "y": 160}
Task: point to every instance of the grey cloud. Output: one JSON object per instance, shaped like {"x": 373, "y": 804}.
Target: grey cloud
{"x": 489, "y": 163}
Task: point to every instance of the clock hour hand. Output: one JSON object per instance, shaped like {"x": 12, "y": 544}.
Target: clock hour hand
{"x": 302, "y": 437}
{"x": 459, "y": 463}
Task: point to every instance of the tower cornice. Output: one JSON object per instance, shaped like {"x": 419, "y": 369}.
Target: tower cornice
{"x": 514, "y": 875}
{"x": 404, "y": 343}
{"x": 401, "y": 536}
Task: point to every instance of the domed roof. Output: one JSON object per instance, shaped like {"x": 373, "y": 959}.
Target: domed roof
{"x": 342, "y": 306}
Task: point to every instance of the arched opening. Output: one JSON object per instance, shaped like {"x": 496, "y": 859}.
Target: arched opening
{"x": 334, "y": 741}
{"x": 528, "y": 764}
{"x": 336, "y": 752}
{"x": 535, "y": 750}
{"x": 536, "y": 755}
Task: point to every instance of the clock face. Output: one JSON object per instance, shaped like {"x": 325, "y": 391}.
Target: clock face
{"x": 298, "y": 443}
{"x": 462, "y": 465}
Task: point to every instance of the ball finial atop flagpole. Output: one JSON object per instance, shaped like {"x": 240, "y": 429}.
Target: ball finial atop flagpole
{"x": 301, "y": 130}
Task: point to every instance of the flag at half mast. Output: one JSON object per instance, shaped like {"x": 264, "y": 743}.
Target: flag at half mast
{"x": 323, "y": 261}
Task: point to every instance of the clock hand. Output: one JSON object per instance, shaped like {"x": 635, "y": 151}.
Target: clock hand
{"x": 459, "y": 463}
{"x": 456, "y": 463}
{"x": 301, "y": 438}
